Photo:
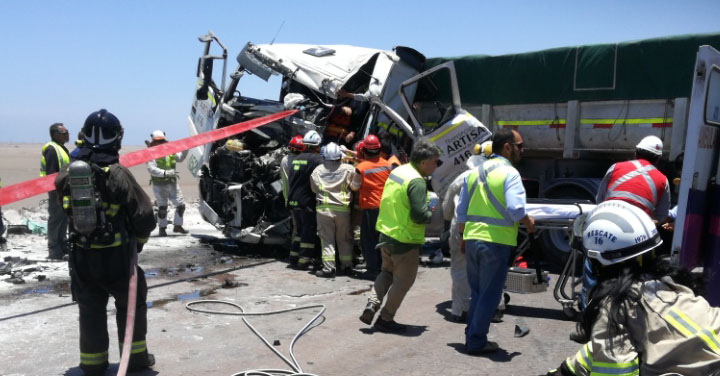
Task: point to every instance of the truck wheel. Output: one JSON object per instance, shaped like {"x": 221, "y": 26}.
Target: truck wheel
{"x": 556, "y": 243}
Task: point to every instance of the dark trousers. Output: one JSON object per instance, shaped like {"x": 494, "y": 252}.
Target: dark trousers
{"x": 306, "y": 221}
{"x": 487, "y": 270}
{"x": 97, "y": 274}
{"x": 57, "y": 226}
{"x": 369, "y": 239}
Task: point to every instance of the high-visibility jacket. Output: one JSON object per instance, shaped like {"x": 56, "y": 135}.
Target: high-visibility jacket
{"x": 669, "y": 330}
{"x": 374, "y": 175}
{"x": 165, "y": 163}
{"x": 637, "y": 182}
{"x": 394, "y": 217}
{"x": 331, "y": 183}
{"x": 62, "y": 157}
{"x": 487, "y": 218}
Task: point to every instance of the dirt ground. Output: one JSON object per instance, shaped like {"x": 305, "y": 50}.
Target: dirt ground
{"x": 40, "y": 335}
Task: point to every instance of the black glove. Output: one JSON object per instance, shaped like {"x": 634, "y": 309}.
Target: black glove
{"x": 139, "y": 246}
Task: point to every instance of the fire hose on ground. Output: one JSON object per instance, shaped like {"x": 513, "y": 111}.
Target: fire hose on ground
{"x": 296, "y": 370}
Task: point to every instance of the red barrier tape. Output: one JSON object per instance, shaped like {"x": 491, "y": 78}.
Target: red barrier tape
{"x": 20, "y": 191}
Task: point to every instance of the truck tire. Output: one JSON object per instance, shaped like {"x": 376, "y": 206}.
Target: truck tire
{"x": 555, "y": 243}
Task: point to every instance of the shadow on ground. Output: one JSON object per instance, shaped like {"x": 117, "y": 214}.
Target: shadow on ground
{"x": 412, "y": 331}
{"x": 500, "y": 356}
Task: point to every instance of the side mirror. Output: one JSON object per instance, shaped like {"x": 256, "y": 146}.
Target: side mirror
{"x": 712, "y": 98}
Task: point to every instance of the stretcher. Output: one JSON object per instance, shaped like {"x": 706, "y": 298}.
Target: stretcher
{"x": 559, "y": 215}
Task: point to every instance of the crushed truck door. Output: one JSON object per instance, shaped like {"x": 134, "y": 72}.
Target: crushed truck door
{"x": 455, "y": 131}
{"x": 696, "y": 240}
{"x": 203, "y": 116}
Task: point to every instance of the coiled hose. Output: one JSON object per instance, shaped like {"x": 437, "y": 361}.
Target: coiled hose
{"x": 296, "y": 370}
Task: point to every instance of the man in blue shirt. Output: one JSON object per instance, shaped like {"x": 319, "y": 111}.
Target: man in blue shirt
{"x": 489, "y": 209}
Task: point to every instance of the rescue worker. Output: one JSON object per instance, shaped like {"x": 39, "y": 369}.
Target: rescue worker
{"x": 386, "y": 148}
{"x": 404, "y": 212}
{"x": 100, "y": 262}
{"x": 490, "y": 207}
{"x": 165, "y": 186}
{"x": 331, "y": 183}
{"x": 296, "y": 147}
{"x": 339, "y": 126}
{"x": 460, "y": 291}
{"x": 369, "y": 182}
{"x": 301, "y": 198}
{"x": 637, "y": 182}
{"x": 54, "y": 158}
{"x": 640, "y": 320}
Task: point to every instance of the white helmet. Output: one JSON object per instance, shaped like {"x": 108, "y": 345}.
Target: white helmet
{"x": 651, "y": 144}
{"x": 312, "y": 138}
{"x": 616, "y": 231}
{"x": 157, "y": 135}
{"x": 332, "y": 152}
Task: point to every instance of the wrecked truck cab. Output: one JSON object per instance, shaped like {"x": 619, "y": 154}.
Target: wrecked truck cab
{"x": 239, "y": 178}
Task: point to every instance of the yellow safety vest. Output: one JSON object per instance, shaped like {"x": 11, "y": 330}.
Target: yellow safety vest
{"x": 165, "y": 163}
{"x": 62, "y": 156}
{"x": 394, "y": 218}
{"x": 487, "y": 218}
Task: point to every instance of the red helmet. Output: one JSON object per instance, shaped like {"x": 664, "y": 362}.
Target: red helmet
{"x": 360, "y": 153}
{"x": 296, "y": 143}
{"x": 371, "y": 142}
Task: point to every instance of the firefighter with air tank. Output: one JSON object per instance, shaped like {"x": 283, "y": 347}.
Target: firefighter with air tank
{"x": 111, "y": 218}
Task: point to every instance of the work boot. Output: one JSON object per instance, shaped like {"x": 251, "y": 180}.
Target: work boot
{"x": 140, "y": 365}
{"x": 369, "y": 313}
{"x": 389, "y": 326}
{"x": 462, "y": 318}
{"x": 325, "y": 273}
{"x": 497, "y": 316}
{"x": 490, "y": 347}
{"x": 179, "y": 229}
{"x": 162, "y": 233}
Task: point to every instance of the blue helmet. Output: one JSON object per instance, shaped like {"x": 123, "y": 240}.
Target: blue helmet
{"x": 102, "y": 131}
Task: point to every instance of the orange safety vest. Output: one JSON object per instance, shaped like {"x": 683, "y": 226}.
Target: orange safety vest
{"x": 338, "y": 125}
{"x": 374, "y": 175}
{"x": 637, "y": 182}
{"x": 393, "y": 160}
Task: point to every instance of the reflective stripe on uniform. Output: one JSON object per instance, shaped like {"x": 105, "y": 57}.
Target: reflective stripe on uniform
{"x": 334, "y": 208}
{"x": 377, "y": 169}
{"x": 482, "y": 179}
{"x": 116, "y": 243}
{"x": 689, "y": 328}
{"x": 66, "y": 202}
{"x": 622, "y": 369}
{"x": 584, "y": 357}
{"x": 396, "y": 179}
{"x": 136, "y": 347}
{"x": 112, "y": 210}
{"x": 93, "y": 359}
{"x": 307, "y": 245}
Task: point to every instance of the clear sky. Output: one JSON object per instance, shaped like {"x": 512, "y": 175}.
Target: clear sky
{"x": 62, "y": 60}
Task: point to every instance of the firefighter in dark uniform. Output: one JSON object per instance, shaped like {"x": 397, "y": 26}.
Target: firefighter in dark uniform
{"x": 100, "y": 260}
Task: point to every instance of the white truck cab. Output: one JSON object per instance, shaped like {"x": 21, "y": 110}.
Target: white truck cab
{"x": 240, "y": 178}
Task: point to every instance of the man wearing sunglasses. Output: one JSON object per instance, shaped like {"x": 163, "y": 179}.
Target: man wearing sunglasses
{"x": 54, "y": 158}
{"x": 490, "y": 207}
